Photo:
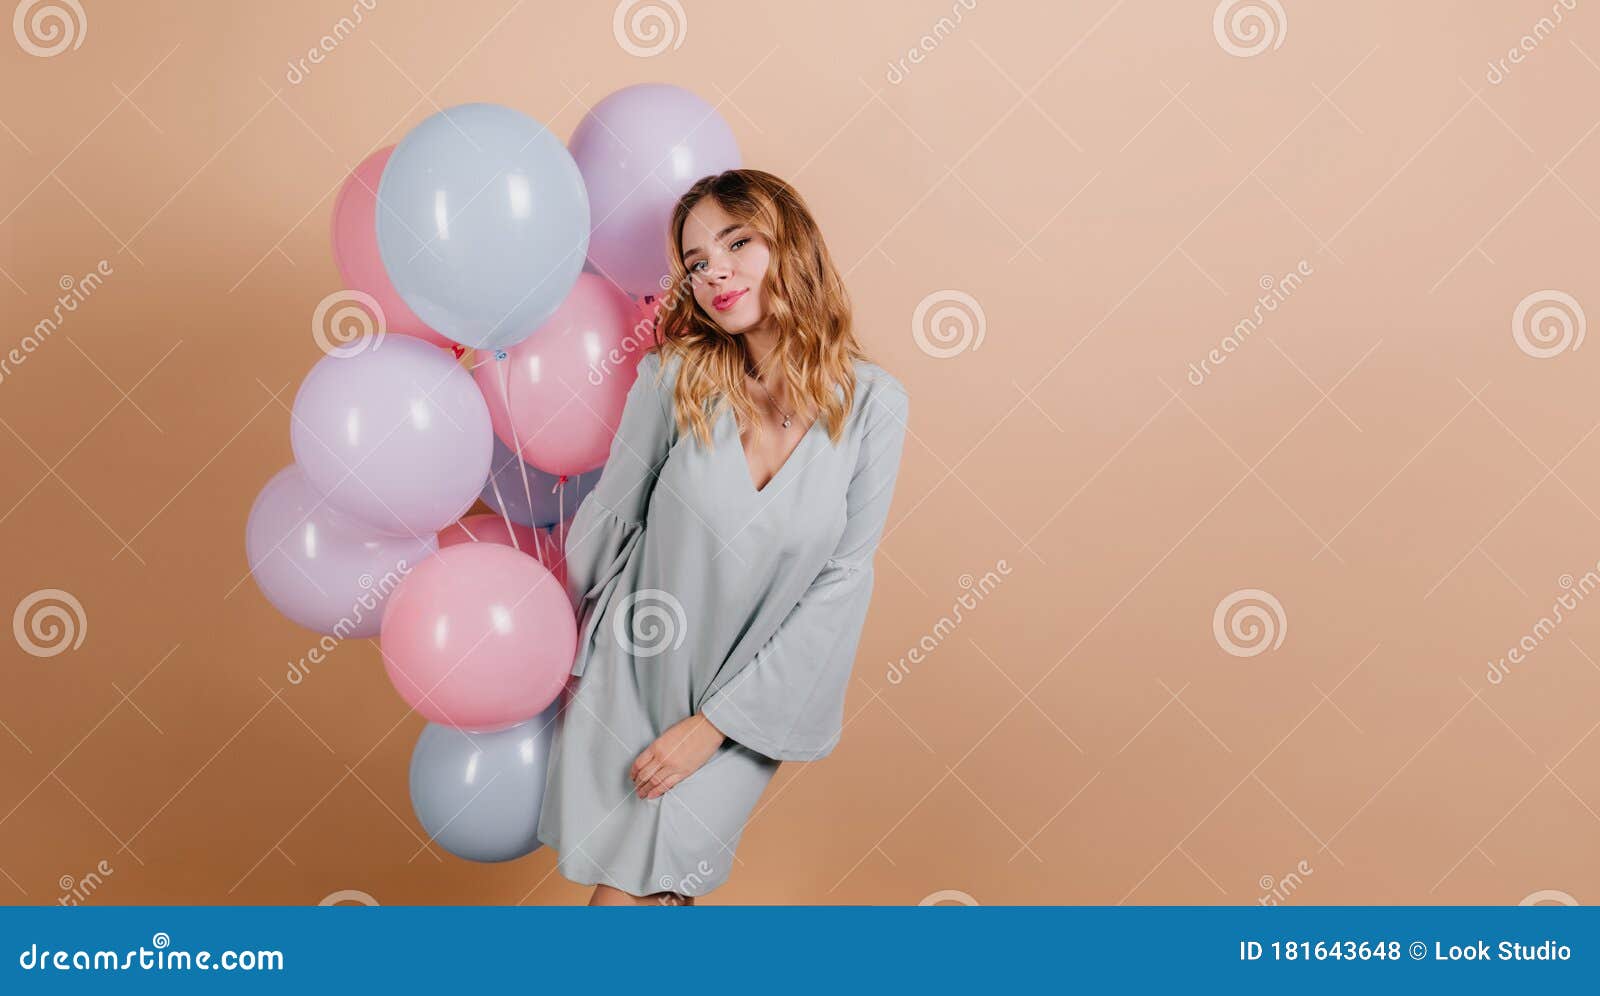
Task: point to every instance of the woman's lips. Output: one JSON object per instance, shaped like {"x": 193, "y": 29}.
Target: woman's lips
{"x": 722, "y": 302}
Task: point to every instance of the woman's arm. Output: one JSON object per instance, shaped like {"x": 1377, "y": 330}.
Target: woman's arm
{"x": 610, "y": 513}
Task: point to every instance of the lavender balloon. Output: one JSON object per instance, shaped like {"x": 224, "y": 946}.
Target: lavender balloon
{"x": 319, "y": 567}
{"x": 639, "y": 150}
{"x": 397, "y": 435}
{"x": 547, "y": 506}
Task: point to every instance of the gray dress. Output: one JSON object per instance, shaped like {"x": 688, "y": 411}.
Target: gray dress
{"x": 697, "y": 593}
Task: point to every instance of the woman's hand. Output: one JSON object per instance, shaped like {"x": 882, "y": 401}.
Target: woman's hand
{"x": 674, "y": 756}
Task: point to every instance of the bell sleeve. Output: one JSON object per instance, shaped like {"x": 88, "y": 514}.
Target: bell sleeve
{"x": 788, "y": 701}
{"x": 610, "y": 521}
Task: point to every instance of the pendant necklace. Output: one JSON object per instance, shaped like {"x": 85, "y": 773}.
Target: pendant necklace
{"x": 774, "y": 401}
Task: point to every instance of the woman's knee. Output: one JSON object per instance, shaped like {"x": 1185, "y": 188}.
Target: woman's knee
{"x": 607, "y": 895}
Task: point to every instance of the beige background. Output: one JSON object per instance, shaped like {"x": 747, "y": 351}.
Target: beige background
{"x": 1109, "y": 185}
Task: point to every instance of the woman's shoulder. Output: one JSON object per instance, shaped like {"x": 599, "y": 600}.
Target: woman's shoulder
{"x": 875, "y": 385}
{"x": 652, "y": 364}
{"x": 649, "y": 360}
{"x": 657, "y": 371}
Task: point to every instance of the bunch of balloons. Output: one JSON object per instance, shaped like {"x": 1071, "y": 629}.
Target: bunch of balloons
{"x": 499, "y": 284}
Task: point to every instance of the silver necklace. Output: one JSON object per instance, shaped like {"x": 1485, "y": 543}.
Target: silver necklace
{"x": 774, "y": 401}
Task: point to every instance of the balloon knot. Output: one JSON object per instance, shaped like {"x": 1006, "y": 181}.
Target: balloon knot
{"x": 500, "y": 354}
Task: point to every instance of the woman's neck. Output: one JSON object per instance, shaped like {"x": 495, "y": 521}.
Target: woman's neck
{"x": 759, "y": 345}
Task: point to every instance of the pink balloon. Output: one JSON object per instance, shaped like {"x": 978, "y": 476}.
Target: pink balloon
{"x": 479, "y": 637}
{"x": 568, "y": 381}
{"x": 355, "y": 249}
{"x": 485, "y": 528}
{"x": 541, "y": 544}
{"x": 648, "y": 307}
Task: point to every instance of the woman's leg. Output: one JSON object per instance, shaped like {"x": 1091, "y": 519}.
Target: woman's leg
{"x": 605, "y": 895}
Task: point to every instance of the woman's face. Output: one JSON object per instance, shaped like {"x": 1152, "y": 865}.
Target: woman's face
{"x": 727, "y": 262}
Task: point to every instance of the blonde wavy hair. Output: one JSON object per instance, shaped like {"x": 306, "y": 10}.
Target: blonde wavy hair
{"x": 805, "y": 298}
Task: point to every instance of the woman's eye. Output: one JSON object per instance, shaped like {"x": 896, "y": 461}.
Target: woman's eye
{"x": 696, "y": 267}
{"x": 740, "y": 241}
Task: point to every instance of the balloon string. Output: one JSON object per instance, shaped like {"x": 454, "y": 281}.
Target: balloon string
{"x": 560, "y": 489}
{"x": 505, "y": 512}
{"x": 522, "y": 464}
{"x": 463, "y": 524}
{"x": 498, "y": 500}
{"x": 538, "y": 544}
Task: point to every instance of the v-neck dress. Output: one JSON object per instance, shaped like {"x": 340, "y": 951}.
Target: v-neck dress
{"x": 698, "y": 592}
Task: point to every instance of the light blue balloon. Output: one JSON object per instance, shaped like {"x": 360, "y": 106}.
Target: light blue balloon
{"x": 483, "y": 223}
{"x": 547, "y": 505}
{"x": 479, "y": 794}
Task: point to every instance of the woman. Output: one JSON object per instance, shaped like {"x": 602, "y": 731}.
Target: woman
{"x": 722, "y": 565}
